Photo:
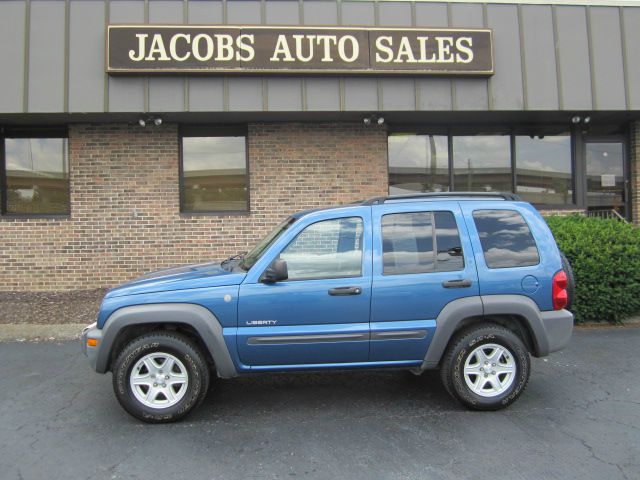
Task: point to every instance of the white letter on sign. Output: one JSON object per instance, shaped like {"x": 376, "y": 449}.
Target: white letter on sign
{"x": 142, "y": 40}
{"x": 282, "y": 48}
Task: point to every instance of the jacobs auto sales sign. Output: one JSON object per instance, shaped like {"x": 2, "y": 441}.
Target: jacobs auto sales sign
{"x": 297, "y": 50}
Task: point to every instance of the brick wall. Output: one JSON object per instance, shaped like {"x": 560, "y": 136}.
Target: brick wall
{"x": 125, "y": 216}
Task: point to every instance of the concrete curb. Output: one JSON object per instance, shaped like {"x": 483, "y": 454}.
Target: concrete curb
{"x": 23, "y": 332}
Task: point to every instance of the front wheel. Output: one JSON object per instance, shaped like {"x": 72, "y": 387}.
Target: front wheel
{"x": 486, "y": 367}
{"x": 160, "y": 377}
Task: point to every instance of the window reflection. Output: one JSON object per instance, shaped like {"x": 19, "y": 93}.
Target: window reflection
{"x": 407, "y": 243}
{"x": 482, "y": 163}
{"x": 506, "y": 239}
{"x": 327, "y": 249}
{"x": 418, "y": 163}
{"x": 37, "y": 172}
{"x": 543, "y": 168}
{"x": 214, "y": 174}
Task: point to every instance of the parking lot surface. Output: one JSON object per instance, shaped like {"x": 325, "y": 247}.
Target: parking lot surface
{"x": 578, "y": 419}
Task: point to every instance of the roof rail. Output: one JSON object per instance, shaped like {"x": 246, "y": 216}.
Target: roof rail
{"x": 498, "y": 195}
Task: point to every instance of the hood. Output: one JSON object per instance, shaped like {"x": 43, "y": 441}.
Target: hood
{"x": 181, "y": 278}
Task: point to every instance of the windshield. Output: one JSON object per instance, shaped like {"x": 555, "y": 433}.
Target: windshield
{"x": 254, "y": 255}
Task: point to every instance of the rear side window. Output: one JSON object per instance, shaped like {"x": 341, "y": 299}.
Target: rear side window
{"x": 420, "y": 242}
{"x": 506, "y": 239}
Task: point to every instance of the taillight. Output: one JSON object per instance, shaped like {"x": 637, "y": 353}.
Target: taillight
{"x": 560, "y": 296}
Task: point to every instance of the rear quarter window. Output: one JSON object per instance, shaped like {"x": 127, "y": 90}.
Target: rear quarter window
{"x": 506, "y": 239}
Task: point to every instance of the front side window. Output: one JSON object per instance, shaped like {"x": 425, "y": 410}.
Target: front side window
{"x": 506, "y": 239}
{"x": 214, "y": 173}
{"x": 36, "y": 176}
{"x": 326, "y": 249}
{"x": 420, "y": 242}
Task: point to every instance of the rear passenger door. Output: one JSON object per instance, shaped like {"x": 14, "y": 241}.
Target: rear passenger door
{"x": 422, "y": 261}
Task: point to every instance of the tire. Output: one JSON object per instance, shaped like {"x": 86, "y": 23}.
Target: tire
{"x": 571, "y": 282}
{"x": 470, "y": 348}
{"x": 142, "y": 361}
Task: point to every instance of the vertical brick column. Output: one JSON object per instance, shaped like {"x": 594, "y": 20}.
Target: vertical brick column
{"x": 634, "y": 163}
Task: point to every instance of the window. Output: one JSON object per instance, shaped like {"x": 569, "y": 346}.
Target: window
{"x": 543, "y": 169}
{"x": 537, "y": 164}
{"x": 327, "y": 249}
{"x": 482, "y": 163}
{"x": 214, "y": 171}
{"x": 506, "y": 239}
{"x": 35, "y": 174}
{"x": 418, "y": 163}
{"x": 408, "y": 243}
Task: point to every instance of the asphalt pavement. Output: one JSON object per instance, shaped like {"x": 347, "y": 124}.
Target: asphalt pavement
{"x": 578, "y": 419}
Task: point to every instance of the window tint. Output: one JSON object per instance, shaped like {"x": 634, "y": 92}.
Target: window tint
{"x": 448, "y": 243}
{"x": 506, "y": 239}
{"x": 408, "y": 247}
{"x": 37, "y": 176}
{"x": 214, "y": 174}
{"x": 327, "y": 249}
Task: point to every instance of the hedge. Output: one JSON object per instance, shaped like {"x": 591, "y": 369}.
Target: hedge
{"x": 605, "y": 256}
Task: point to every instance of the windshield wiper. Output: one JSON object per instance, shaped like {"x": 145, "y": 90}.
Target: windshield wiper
{"x": 232, "y": 258}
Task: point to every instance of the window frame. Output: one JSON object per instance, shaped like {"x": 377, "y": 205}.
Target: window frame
{"x": 186, "y": 131}
{"x": 362, "y": 251}
{"x": 31, "y": 132}
{"x": 511, "y": 131}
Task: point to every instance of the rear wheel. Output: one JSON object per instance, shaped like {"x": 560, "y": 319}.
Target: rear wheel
{"x": 486, "y": 367}
{"x": 160, "y": 377}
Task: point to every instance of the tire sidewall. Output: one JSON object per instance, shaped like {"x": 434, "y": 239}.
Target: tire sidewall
{"x": 144, "y": 346}
{"x": 467, "y": 346}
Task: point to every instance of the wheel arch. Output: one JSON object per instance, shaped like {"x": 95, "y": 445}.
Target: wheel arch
{"x": 191, "y": 320}
{"x": 515, "y": 312}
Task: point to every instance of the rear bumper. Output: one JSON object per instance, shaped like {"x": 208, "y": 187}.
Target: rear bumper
{"x": 92, "y": 331}
{"x": 558, "y": 326}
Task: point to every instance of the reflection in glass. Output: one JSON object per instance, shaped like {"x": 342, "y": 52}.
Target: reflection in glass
{"x": 482, "y": 163}
{"x": 450, "y": 255}
{"x": 407, "y": 243}
{"x": 214, "y": 174}
{"x": 327, "y": 249}
{"x": 543, "y": 169}
{"x": 605, "y": 176}
{"x": 37, "y": 175}
{"x": 506, "y": 239}
{"x": 418, "y": 163}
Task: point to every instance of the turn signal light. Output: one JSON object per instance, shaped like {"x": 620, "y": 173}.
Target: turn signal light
{"x": 560, "y": 295}
{"x": 92, "y": 342}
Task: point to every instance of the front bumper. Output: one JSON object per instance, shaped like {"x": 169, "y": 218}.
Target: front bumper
{"x": 92, "y": 332}
{"x": 558, "y": 325}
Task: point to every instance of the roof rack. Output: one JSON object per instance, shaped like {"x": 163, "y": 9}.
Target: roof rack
{"x": 497, "y": 195}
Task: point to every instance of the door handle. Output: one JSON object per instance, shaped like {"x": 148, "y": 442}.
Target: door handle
{"x": 463, "y": 283}
{"x": 343, "y": 291}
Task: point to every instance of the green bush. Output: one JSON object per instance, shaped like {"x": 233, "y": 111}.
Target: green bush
{"x": 605, "y": 256}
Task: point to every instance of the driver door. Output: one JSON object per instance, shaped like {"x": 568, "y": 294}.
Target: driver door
{"x": 320, "y": 314}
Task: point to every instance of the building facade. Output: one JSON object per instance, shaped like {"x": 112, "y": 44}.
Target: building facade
{"x": 119, "y": 158}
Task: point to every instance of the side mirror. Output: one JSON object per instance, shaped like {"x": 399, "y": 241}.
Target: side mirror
{"x": 275, "y": 272}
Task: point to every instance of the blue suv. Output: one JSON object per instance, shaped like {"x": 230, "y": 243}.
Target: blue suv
{"x": 471, "y": 284}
